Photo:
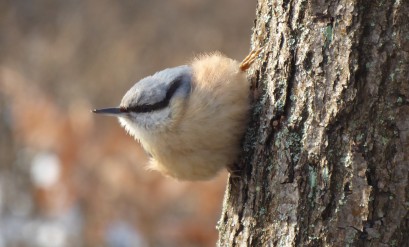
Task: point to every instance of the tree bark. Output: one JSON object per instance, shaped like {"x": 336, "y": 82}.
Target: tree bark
{"x": 326, "y": 156}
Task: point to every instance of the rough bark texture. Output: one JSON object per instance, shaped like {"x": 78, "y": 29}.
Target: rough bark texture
{"x": 326, "y": 155}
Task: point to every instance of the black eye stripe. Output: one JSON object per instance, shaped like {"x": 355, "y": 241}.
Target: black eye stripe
{"x": 175, "y": 84}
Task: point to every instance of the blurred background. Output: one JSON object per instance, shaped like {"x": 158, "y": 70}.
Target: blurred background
{"x": 69, "y": 178}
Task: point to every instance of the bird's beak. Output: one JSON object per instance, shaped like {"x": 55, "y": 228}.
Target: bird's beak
{"x": 114, "y": 111}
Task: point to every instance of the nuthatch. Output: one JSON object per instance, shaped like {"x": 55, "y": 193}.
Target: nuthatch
{"x": 190, "y": 118}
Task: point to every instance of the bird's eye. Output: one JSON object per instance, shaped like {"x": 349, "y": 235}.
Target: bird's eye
{"x": 123, "y": 109}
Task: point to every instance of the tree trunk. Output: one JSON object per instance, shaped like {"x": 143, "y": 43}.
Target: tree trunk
{"x": 326, "y": 156}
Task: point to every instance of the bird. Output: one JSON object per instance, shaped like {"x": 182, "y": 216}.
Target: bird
{"x": 190, "y": 119}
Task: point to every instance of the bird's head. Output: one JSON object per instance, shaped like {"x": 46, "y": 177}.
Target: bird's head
{"x": 155, "y": 102}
